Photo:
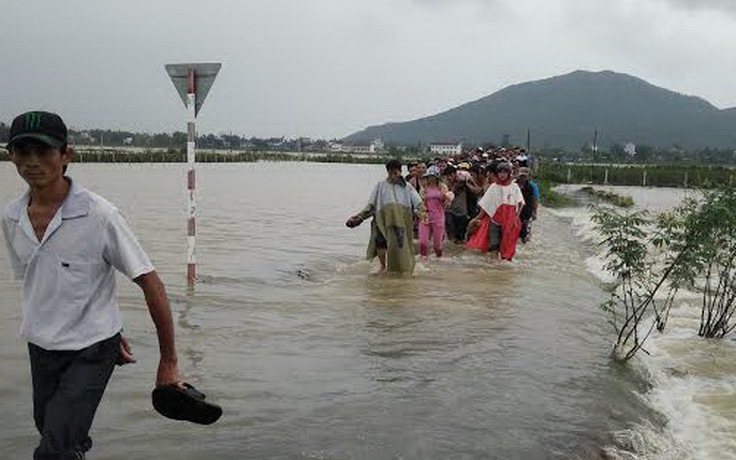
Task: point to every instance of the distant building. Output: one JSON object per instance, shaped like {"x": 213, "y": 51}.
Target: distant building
{"x": 359, "y": 147}
{"x": 86, "y": 138}
{"x": 446, "y": 148}
{"x": 374, "y": 146}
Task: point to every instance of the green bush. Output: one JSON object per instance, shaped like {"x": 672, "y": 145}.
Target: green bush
{"x": 613, "y": 198}
{"x": 553, "y": 199}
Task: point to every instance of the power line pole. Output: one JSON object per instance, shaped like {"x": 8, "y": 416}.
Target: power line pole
{"x": 595, "y": 150}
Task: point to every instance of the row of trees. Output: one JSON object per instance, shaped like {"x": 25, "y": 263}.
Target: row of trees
{"x": 641, "y": 154}
{"x": 178, "y": 140}
{"x": 616, "y": 153}
{"x": 178, "y": 156}
{"x": 670, "y": 175}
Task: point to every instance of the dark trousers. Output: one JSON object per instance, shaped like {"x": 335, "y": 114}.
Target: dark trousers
{"x": 526, "y": 230}
{"x": 494, "y": 237}
{"x": 456, "y": 226}
{"x": 67, "y": 388}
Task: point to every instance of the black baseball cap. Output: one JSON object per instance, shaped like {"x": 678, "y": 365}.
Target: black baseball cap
{"x": 45, "y": 127}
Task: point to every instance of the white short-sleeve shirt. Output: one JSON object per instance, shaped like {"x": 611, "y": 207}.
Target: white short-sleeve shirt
{"x": 69, "y": 291}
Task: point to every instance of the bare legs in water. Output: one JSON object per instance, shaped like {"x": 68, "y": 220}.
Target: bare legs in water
{"x": 381, "y": 252}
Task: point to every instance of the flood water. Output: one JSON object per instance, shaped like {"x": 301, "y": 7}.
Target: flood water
{"x": 313, "y": 358}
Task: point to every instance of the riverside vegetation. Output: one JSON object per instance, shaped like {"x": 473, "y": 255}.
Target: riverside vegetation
{"x": 654, "y": 258}
{"x": 547, "y": 174}
{"x": 611, "y": 197}
{"x": 548, "y": 196}
{"x": 653, "y": 175}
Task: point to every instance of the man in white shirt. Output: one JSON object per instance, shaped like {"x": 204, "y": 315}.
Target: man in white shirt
{"x": 65, "y": 244}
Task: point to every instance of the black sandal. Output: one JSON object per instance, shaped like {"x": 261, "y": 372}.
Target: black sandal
{"x": 186, "y": 403}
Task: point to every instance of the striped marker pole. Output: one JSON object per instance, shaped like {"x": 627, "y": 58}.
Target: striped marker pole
{"x": 191, "y": 178}
{"x": 192, "y": 82}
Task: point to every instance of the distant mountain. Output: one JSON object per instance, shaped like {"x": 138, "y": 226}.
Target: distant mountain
{"x": 564, "y": 111}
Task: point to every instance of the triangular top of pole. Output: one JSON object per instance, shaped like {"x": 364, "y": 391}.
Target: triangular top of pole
{"x": 203, "y": 77}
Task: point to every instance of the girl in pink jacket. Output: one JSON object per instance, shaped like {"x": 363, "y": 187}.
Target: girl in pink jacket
{"x": 436, "y": 197}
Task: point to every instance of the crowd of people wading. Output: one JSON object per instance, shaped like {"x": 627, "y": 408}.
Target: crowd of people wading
{"x": 482, "y": 200}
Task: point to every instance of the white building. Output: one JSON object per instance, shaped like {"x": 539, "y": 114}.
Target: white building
{"x": 446, "y": 148}
{"x": 360, "y": 148}
{"x": 374, "y": 146}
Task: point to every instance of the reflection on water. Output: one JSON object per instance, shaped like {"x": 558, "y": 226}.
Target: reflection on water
{"x": 313, "y": 358}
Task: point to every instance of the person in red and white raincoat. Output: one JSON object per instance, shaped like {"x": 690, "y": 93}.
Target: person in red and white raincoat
{"x": 496, "y": 227}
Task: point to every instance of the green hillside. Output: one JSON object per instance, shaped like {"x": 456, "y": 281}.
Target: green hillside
{"x": 564, "y": 111}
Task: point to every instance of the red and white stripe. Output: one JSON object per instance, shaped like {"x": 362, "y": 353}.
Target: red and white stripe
{"x": 191, "y": 178}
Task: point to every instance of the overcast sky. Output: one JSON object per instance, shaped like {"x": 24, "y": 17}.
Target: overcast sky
{"x": 327, "y": 68}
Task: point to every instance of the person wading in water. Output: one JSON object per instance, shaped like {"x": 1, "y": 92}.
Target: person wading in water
{"x": 65, "y": 244}
{"x": 393, "y": 204}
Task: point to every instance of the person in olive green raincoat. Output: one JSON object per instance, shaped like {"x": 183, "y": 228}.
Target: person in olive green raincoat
{"x": 393, "y": 205}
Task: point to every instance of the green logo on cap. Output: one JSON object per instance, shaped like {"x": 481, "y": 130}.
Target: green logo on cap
{"x": 33, "y": 121}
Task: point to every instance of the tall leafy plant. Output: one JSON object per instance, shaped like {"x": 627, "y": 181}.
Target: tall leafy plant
{"x": 706, "y": 236}
{"x": 696, "y": 246}
{"x": 624, "y": 237}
